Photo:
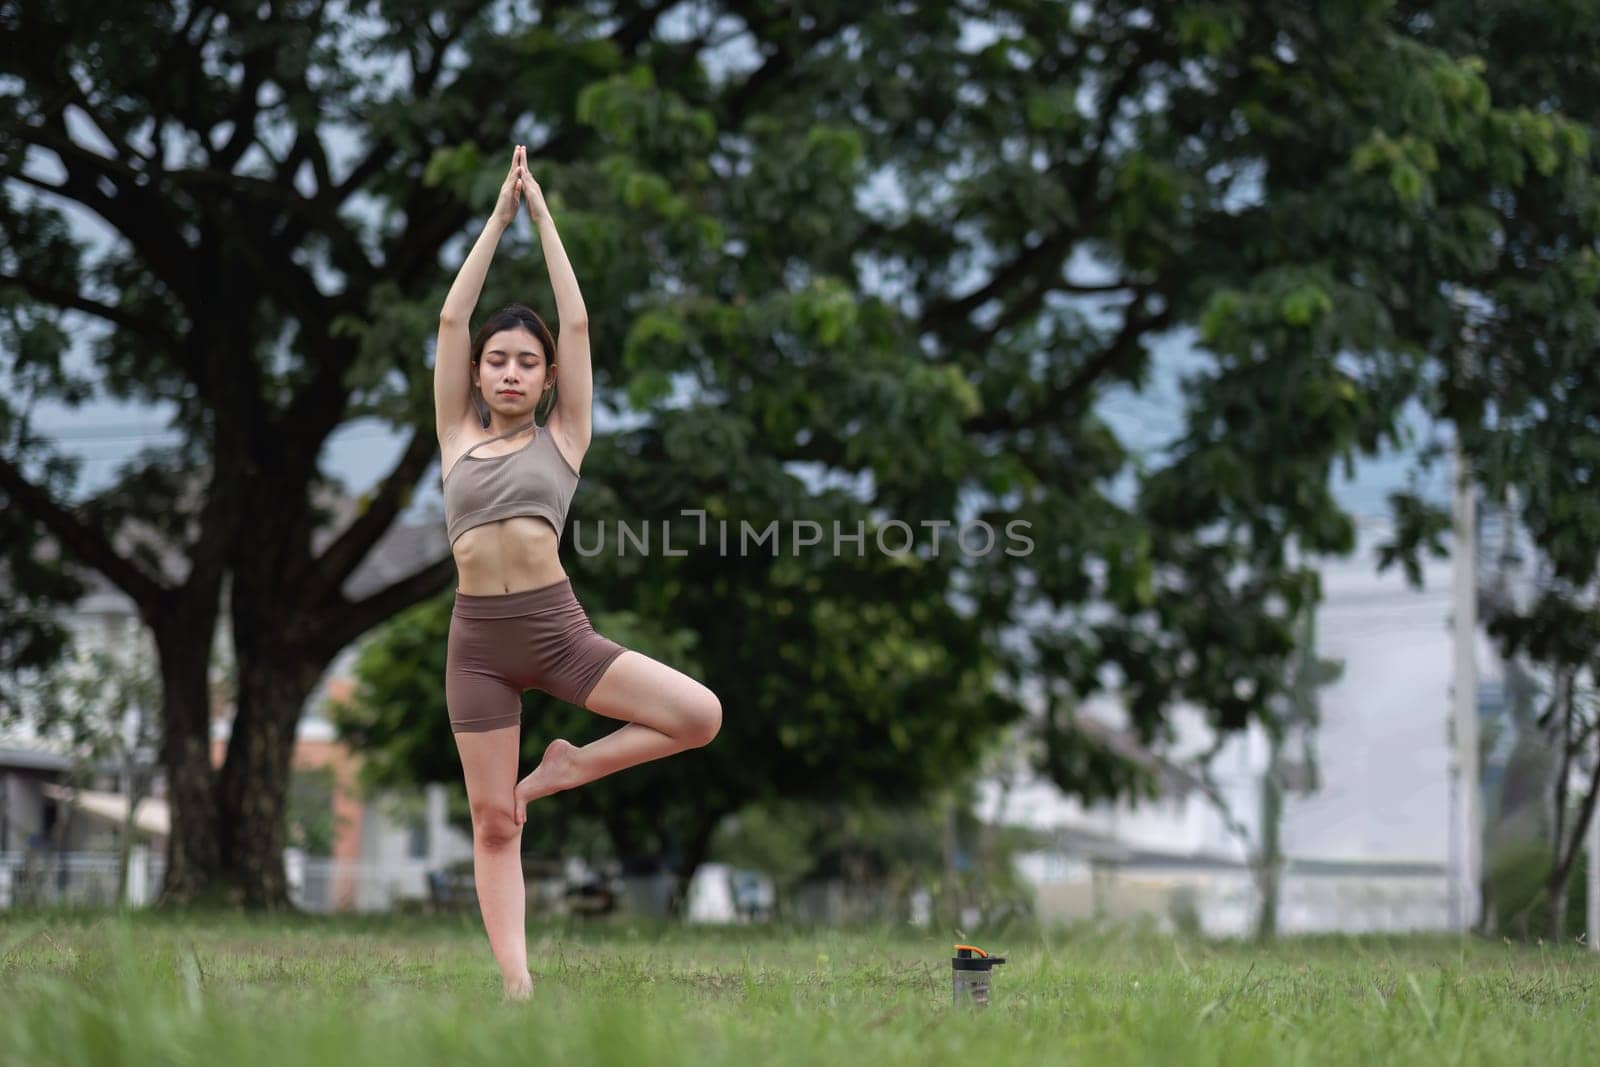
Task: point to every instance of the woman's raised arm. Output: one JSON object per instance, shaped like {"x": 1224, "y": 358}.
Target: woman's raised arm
{"x": 452, "y": 363}
{"x": 574, "y": 375}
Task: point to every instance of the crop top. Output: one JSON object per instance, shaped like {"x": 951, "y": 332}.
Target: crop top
{"x": 536, "y": 479}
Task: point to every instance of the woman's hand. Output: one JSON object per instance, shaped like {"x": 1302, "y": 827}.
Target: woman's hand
{"x": 505, "y": 208}
{"x": 532, "y": 195}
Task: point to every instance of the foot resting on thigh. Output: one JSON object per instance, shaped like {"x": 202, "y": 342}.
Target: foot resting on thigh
{"x": 557, "y": 770}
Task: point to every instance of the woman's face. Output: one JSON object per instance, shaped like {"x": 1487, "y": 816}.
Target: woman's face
{"x": 511, "y": 373}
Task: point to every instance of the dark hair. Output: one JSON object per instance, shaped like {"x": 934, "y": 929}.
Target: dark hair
{"x": 512, "y": 317}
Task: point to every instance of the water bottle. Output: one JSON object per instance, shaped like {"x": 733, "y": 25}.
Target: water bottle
{"x": 969, "y": 976}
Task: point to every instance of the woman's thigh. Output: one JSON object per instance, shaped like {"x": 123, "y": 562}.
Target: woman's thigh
{"x": 489, "y": 763}
{"x": 639, "y": 689}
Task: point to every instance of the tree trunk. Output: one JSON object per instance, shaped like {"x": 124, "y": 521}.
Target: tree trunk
{"x": 1565, "y": 857}
{"x": 193, "y": 856}
{"x": 1556, "y": 895}
{"x": 275, "y": 673}
{"x": 254, "y": 788}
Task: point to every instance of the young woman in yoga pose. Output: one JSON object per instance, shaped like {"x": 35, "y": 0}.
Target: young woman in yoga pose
{"x": 516, "y": 624}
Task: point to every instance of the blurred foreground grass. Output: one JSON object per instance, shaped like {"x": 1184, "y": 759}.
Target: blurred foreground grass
{"x": 204, "y": 988}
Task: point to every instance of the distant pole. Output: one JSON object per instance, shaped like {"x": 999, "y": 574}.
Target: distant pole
{"x": 1594, "y": 883}
{"x": 1466, "y": 831}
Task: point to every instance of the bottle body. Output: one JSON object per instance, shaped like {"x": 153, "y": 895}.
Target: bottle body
{"x": 969, "y": 988}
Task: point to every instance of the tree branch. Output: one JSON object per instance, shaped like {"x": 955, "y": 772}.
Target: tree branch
{"x": 1070, "y": 393}
{"x": 90, "y": 545}
{"x": 80, "y": 190}
{"x": 340, "y": 558}
{"x": 739, "y": 100}
{"x": 1575, "y": 843}
{"x": 141, "y": 217}
{"x": 1564, "y": 767}
{"x": 302, "y": 214}
{"x": 70, "y": 300}
{"x": 1053, "y": 248}
{"x": 307, "y": 146}
{"x": 942, "y": 315}
{"x": 353, "y": 620}
{"x": 422, "y": 83}
{"x": 243, "y": 115}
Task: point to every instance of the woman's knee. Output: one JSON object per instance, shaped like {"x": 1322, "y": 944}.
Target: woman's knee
{"x": 702, "y": 717}
{"x": 494, "y": 825}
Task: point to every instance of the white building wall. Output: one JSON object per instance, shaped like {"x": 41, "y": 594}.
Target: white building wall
{"x": 1382, "y": 746}
{"x": 1382, "y": 755}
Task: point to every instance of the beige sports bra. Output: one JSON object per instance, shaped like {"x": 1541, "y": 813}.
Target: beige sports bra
{"x": 535, "y": 480}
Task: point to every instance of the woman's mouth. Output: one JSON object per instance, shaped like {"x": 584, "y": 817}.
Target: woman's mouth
{"x": 509, "y": 392}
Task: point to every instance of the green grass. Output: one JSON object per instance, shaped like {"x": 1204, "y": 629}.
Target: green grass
{"x": 207, "y": 989}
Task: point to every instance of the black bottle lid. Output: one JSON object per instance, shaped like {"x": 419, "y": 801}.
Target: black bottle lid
{"x": 965, "y": 961}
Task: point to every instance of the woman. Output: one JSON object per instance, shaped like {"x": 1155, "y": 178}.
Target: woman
{"x": 516, "y": 624}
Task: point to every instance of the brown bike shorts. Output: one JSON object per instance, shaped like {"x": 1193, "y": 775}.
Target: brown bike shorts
{"x": 505, "y": 643}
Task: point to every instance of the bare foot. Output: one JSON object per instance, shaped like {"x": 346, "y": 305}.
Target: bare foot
{"x": 557, "y": 770}
{"x": 518, "y": 990}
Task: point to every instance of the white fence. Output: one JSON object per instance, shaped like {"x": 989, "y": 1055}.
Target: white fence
{"x": 1226, "y": 901}
{"x": 90, "y": 879}
{"x": 82, "y": 878}
{"x": 322, "y": 884}
{"x": 1322, "y": 904}
{"x": 1215, "y": 902}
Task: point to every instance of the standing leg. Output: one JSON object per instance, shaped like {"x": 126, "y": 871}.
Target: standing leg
{"x": 489, "y": 759}
{"x": 666, "y": 710}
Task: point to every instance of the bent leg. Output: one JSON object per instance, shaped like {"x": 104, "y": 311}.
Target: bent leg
{"x": 666, "y": 710}
{"x": 489, "y": 761}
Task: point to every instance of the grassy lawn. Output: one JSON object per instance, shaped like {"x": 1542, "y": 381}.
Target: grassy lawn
{"x": 98, "y": 988}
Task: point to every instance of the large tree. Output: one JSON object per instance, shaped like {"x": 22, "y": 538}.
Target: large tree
{"x": 914, "y": 244}
{"x": 270, "y": 287}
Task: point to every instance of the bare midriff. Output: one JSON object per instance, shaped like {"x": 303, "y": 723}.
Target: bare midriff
{"x": 508, "y": 556}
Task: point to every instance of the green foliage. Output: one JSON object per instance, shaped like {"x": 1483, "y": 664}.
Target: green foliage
{"x": 1514, "y": 892}
{"x": 313, "y": 824}
{"x": 899, "y": 254}
{"x": 101, "y": 700}
{"x": 885, "y": 843}
{"x": 637, "y": 117}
